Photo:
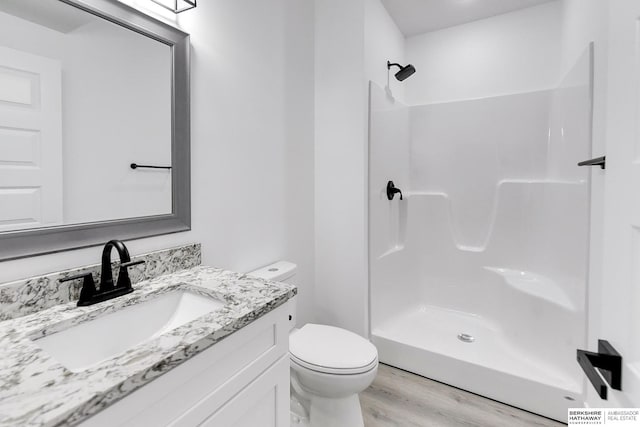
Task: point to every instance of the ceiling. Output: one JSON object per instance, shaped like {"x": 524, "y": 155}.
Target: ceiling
{"x": 421, "y": 16}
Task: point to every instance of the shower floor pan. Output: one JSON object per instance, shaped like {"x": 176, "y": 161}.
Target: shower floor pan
{"x": 426, "y": 341}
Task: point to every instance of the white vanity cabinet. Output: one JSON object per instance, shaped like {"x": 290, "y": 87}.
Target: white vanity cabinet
{"x": 242, "y": 381}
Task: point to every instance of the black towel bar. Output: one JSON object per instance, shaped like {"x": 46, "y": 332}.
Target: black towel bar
{"x": 137, "y": 166}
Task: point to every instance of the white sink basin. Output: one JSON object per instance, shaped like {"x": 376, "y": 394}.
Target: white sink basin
{"x": 87, "y": 344}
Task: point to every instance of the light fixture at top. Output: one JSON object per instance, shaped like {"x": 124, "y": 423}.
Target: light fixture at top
{"x": 176, "y": 6}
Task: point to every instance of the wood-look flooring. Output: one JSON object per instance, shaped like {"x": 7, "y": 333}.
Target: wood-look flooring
{"x": 401, "y": 399}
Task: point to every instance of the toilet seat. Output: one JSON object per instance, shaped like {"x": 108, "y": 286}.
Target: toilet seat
{"x": 333, "y": 371}
{"x": 331, "y": 350}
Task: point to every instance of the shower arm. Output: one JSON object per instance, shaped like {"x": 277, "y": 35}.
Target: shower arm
{"x": 393, "y": 64}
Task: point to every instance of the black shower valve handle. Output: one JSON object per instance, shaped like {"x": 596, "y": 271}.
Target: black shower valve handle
{"x": 392, "y": 190}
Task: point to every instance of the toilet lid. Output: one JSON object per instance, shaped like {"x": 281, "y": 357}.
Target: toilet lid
{"x": 330, "y": 349}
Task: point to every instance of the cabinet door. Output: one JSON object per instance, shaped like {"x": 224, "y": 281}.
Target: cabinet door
{"x": 263, "y": 403}
{"x": 190, "y": 393}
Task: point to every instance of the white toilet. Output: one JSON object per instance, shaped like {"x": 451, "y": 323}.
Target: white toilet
{"x": 329, "y": 366}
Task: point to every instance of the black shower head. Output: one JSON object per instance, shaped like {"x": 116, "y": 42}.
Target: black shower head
{"x": 404, "y": 72}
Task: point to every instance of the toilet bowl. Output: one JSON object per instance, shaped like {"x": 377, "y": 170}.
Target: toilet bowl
{"x": 329, "y": 366}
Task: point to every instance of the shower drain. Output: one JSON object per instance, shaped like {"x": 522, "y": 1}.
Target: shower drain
{"x": 466, "y": 338}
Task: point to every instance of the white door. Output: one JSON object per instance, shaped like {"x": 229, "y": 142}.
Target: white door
{"x": 30, "y": 141}
{"x": 615, "y": 306}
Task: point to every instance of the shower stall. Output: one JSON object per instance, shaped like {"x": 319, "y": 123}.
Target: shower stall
{"x": 478, "y": 275}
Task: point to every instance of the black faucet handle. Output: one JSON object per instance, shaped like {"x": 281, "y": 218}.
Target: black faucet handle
{"x": 76, "y": 277}
{"x": 88, "y": 290}
{"x": 132, "y": 263}
{"x": 123, "y": 276}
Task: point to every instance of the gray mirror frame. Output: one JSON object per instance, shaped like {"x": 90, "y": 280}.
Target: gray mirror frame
{"x": 26, "y": 243}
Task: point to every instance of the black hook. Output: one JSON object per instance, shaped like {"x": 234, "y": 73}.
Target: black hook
{"x": 392, "y": 190}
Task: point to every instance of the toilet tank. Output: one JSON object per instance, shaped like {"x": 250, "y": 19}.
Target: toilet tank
{"x": 281, "y": 271}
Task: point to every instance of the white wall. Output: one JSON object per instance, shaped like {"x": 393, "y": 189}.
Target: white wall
{"x": 509, "y": 53}
{"x": 340, "y": 165}
{"x": 583, "y": 21}
{"x": 353, "y": 41}
{"x": 252, "y": 142}
{"x": 383, "y": 41}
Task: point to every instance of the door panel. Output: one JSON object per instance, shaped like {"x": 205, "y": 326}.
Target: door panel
{"x": 19, "y": 147}
{"x": 19, "y": 87}
{"x": 20, "y": 206}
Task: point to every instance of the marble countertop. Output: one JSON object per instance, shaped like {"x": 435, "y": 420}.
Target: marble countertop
{"x": 37, "y": 391}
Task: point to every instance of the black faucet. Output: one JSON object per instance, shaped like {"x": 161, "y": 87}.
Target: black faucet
{"x": 89, "y": 294}
{"x": 392, "y": 190}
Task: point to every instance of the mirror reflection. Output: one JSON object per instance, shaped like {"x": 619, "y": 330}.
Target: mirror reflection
{"x": 81, "y": 99}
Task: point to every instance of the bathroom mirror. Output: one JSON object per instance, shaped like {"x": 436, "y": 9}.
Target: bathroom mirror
{"x": 94, "y": 125}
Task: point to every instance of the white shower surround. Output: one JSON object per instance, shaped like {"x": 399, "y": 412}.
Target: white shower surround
{"x": 490, "y": 240}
